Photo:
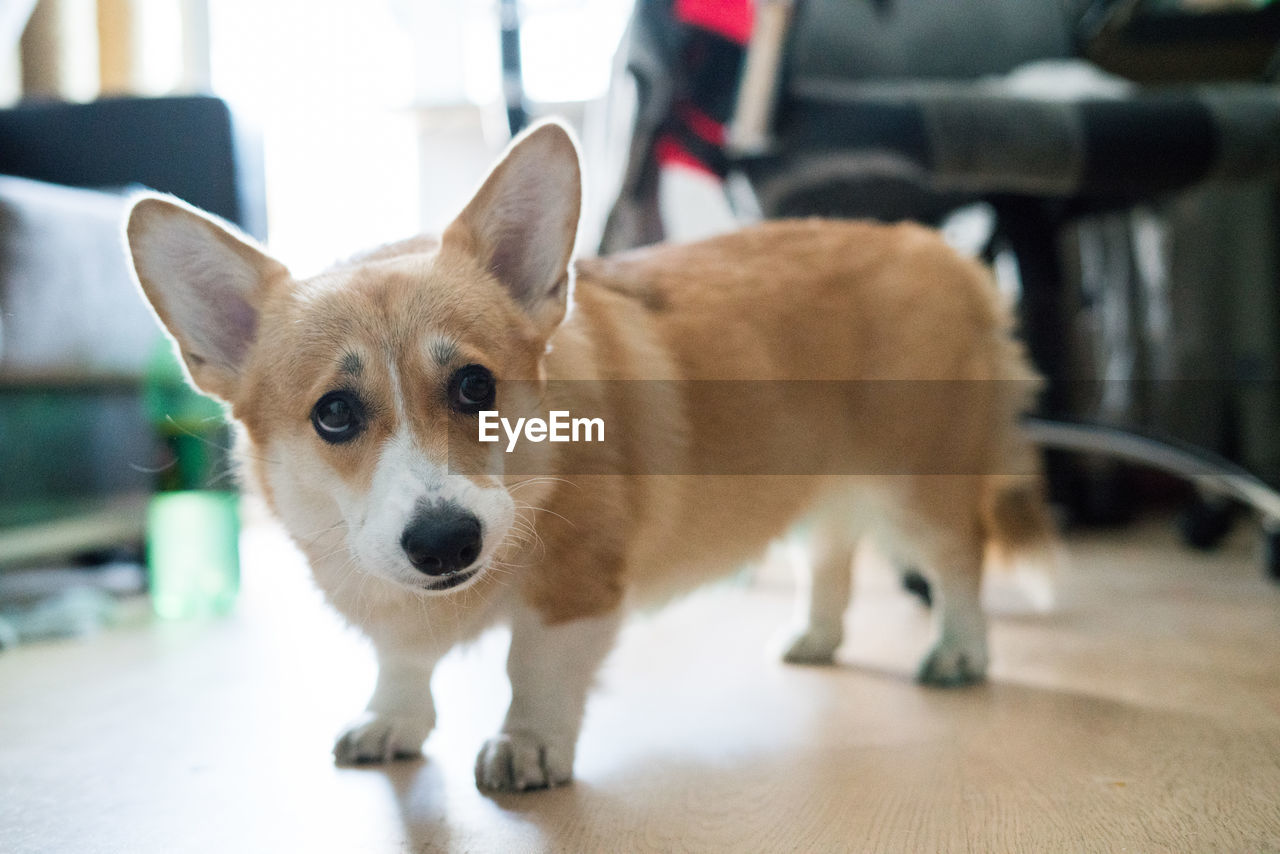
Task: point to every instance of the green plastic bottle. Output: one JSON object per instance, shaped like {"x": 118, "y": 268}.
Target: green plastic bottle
{"x": 193, "y": 520}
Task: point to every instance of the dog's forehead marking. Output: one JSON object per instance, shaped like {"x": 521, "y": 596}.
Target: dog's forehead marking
{"x": 351, "y": 365}
{"x": 397, "y": 391}
{"x": 442, "y": 350}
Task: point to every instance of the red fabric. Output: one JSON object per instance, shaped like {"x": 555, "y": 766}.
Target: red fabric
{"x": 702, "y": 124}
{"x": 670, "y": 152}
{"x": 729, "y": 18}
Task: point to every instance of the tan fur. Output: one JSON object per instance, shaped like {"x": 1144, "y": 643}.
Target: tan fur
{"x": 807, "y": 301}
{"x": 885, "y": 303}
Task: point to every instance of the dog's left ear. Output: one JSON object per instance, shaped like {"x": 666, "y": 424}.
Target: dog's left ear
{"x": 522, "y": 222}
{"x": 206, "y": 283}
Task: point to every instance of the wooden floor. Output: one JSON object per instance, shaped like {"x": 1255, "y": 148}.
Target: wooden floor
{"x": 1142, "y": 715}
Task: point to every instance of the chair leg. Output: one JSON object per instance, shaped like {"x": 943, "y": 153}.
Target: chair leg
{"x": 1032, "y": 233}
{"x": 1271, "y": 554}
{"x": 1206, "y": 521}
{"x": 1093, "y": 494}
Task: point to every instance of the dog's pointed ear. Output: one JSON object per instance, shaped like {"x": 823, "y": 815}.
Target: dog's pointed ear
{"x": 522, "y": 222}
{"x": 206, "y": 283}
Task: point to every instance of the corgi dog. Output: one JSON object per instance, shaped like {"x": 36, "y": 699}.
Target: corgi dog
{"x": 855, "y": 378}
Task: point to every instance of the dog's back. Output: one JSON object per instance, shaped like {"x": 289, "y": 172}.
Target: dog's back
{"x": 788, "y": 369}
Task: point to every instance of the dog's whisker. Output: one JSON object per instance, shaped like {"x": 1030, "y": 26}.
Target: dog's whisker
{"x": 535, "y": 509}
{"x": 308, "y": 539}
{"x": 541, "y": 480}
{"x": 231, "y": 452}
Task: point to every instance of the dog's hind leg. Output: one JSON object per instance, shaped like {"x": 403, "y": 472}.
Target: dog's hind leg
{"x": 959, "y": 655}
{"x": 824, "y": 593}
{"x": 951, "y": 552}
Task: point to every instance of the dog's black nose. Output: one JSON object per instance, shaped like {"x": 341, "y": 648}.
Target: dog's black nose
{"x": 442, "y": 539}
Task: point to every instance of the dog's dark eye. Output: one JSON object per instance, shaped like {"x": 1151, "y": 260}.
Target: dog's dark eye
{"x": 472, "y": 389}
{"x": 337, "y": 417}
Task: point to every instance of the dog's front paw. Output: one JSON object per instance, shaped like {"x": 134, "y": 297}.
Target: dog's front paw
{"x": 381, "y": 738}
{"x": 811, "y": 646}
{"x": 952, "y": 662}
{"x": 518, "y": 761}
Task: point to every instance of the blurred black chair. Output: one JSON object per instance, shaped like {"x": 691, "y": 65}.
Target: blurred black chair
{"x": 893, "y": 109}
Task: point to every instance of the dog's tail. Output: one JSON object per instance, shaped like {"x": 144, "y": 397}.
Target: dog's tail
{"x": 1021, "y": 534}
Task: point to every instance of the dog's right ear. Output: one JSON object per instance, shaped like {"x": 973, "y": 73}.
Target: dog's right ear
{"x": 206, "y": 283}
{"x": 522, "y": 222}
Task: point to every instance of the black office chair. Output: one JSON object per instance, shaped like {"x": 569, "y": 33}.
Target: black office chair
{"x": 893, "y": 109}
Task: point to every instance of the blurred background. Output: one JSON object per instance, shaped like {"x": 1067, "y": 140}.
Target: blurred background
{"x": 1116, "y": 160}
